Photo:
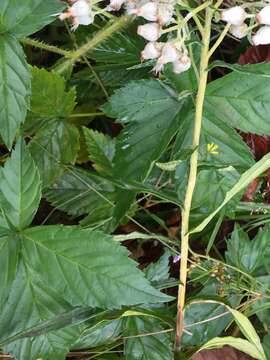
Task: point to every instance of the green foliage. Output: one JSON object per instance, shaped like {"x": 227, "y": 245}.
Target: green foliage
{"x": 20, "y": 189}
{"x": 15, "y": 86}
{"x": 95, "y": 156}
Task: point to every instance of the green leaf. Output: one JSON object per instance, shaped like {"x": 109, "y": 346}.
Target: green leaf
{"x": 230, "y": 148}
{"x": 159, "y": 270}
{"x": 121, "y": 47}
{"x": 9, "y": 252}
{"x": 66, "y": 256}
{"x": 102, "y": 333}
{"x": 147, "y": 347}
{"x": 266, "y": 344}
{"x": 49, "y": 96}
{"x": 150, "y": 111}
{"x": 25, "y": 18}
{"x": 247, "y": 255}
{"x": 20, "y": 188}
{"x": 198, "y": 321}
{"x": 248, "y": 331}
{"x": 80, "y": 192}
{"x": 15, "y": 87}
{"x": 237, "y": 343}
{"x": 56, "y": 144}
{"x": 30, "y": 303}
{"x": 242, "y": 100}
{"x": 246, "y": 178}
{"x": 101, "y": 149}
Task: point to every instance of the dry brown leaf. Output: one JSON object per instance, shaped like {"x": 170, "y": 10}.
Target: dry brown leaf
{"x": 226, "y": 353}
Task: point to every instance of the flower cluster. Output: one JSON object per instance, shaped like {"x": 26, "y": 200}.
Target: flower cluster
{"x": 236, "y": 17}
{"x": 160, "y": 14}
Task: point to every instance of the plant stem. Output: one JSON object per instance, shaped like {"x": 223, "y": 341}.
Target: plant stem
{"x": 192, "y": 176}
{"x": 99, "y": 37}
{"x": 47, "y": 47}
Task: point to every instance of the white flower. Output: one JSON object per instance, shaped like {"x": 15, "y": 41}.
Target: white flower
{"x": 148, "y": 11}
{"x": 169, "y": 53}
{"x": 182, "y": 64}
{"x": 262, "y": 36}
{"x": 115, "y": 5}
{"x": 80, "y": 12}
{"x": 151, "y": 51}
{"x": 150, "y": 32}
{"x": 239, "y": 31}
{"x": 234, "y": 16}
{"x": 165, "y": 13}
{"x": 263, "y": 17}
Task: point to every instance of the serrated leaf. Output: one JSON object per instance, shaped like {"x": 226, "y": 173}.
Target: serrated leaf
{"x": 242, "y": 100}
{"x": 54, "y": 145}
{"x": 245, "y": 179}
{"x": 147, "y": 347}
{"x": 9, "y": 253}
{"x": 206, "y": 199}
{"x": 230, "y": 148}
{"x": 20, "y": 188}
{"x": 247, "y": 255}
{"x": 30, "y": 303}
{"x": 15, "y": 87}
{"x": 49, "y": 96}
{"x": 159, "y": 270}
{"x": 101, "y": 150}
{"x": 121, "y": 47}
{"x": 64, "y": 256}
{"x": 148, "y": 110}
{"x": 25, "y": 18}
{"x": 79, "y": 192}
{"x": 102, "y": 333}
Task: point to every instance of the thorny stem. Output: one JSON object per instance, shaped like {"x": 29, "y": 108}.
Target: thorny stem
{"x": 101, "y": 36}
{"x": 192, "y": 177}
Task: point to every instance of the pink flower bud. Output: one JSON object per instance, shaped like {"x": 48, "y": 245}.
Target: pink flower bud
{"x": 263, "y": 17}
{"x": 262, "y": 36}
{"x": 148, "y": 11}
{"x": 115, "y": 5}
{"x": 150, "y": 32}
{"x": 234, "y": 16}
{"x": 181, "y": 65}
{"x": 239, "y": 31}
{"x": 151, "y": 51}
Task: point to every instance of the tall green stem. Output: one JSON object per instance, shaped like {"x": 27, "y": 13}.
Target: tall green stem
{"x": 192, "y": 176}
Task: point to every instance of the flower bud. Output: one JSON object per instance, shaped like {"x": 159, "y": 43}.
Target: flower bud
{"x": 182, "y": 64}
{"x": 148, "y": 11}
{"x": 150, "y": 32}
{"x": 262, "y": 36}
{"x": 263, "y": 17}
{"x": 115, "y": 5}
{"x": 234, "y": 16}
{"x": 239, "y": 31}
{"x": 151, "y": 51}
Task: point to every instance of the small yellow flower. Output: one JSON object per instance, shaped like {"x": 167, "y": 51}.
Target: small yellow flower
{"x": 212, "y": 148}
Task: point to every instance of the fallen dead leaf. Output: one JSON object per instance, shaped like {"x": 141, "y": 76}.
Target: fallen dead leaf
{"x": 226, "y": 353}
